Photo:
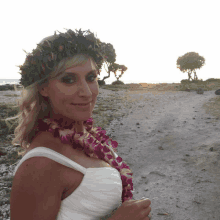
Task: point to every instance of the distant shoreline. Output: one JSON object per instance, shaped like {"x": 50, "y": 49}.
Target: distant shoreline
{"x": 16, "y": 81}
{"x": 9, "y": 81}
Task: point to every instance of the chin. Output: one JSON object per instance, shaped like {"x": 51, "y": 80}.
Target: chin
{"x": 82, "y": 118}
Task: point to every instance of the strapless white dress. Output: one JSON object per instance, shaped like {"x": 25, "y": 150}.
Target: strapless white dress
{"x": 98, "y": 195}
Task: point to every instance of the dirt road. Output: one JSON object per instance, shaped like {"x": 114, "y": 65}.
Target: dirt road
{"x": 173, "y": 149}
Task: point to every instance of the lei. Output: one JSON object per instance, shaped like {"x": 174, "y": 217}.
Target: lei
{"x": 94, "y": 143}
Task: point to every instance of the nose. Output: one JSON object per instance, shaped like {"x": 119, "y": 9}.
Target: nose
{"x": 83, "y": 89}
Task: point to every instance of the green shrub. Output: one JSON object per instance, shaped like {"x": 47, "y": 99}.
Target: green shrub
{"x": 186, "y": 81}
{"x": 6, "y": 87}
{"x": 118, "y": 82}
{"x": 213, "y": 80}
{"x": 8, "y": 111}
{"x": 196, "y": 81}
{"x": 183, "y": 81}
{"x": 101, "y": 82}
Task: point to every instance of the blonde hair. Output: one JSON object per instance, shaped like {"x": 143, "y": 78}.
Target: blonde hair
{"x": 33, "y": 106}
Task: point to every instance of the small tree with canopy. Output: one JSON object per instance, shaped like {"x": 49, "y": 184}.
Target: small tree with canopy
{"x": 189, "y": 62}
{"x": 116, "y": 67}
{"x": 110, "y": 56}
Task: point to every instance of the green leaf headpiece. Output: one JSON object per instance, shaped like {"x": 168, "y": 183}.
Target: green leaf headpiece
{"x": 43, "y": 60}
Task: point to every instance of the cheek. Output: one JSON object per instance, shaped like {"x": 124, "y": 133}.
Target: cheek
{"x": 94, "y": 101}
{"x": 95, "y": 91}
{"x": 58, "y": 99}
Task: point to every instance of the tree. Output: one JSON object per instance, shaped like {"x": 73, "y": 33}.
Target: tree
{"x": 117, "y": 67}
{"x": 189, "y": 62}
{"x": 110, "y": 56}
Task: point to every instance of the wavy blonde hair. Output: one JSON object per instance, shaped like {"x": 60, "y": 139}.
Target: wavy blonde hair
{"x": 33, "y": 106}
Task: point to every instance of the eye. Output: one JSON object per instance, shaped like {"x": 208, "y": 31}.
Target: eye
{"x": 94, "y": 76}
{"x": 67, "y": 79}
{"x": 70, "y": 79}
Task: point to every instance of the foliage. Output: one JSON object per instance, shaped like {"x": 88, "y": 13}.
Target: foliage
{"x": 101, "y": 82}
{"x": 213, "y": 80}
{"x": 184, "y": 81}
{"x": 6, "y": 87}
{"x": 193, "y": 86}
{"x": 8, "y": 111}
{"x": 118, "y": 82}
{"x": 196, "y": 81}
{"x": 189, "y": 62}
{"x": 49, "y": 52}
{"x": 109, "y": 52}
{"x": 114, "y": 67}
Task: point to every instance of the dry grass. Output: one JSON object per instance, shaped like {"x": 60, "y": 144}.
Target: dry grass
{"x": 12, "y": 95}
{"x": 163, "y": 87}
{"x": 206, "y": 85}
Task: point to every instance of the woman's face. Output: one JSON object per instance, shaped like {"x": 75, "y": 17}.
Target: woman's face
{"x": 77, "y": 85}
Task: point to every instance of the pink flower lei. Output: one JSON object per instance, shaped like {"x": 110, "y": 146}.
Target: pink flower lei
{"x": 94, "y": 143}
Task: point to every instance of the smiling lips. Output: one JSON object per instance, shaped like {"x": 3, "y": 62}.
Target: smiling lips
{"x": 82, "y": 106}
{"x": 81, "y": 103}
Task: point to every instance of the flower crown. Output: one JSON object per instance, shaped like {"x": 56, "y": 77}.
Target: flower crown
{"x": 49, "y": 53}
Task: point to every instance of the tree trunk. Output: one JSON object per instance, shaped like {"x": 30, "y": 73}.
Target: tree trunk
{"x": 106, "y": 76}
{"x": 189, "y": 76}
{"x": 195, "y": 76}
{"x": 116, "y": 76}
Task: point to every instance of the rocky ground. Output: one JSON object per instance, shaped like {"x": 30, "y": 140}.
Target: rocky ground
{"x": 169, "y": 141}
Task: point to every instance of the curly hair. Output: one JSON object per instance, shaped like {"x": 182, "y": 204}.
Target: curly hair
{"x": 33, "y": 106}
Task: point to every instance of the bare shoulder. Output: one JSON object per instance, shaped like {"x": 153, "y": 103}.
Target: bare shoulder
{"x": 36, "y": 190}
{"x": 36, "y": 169}
{"x": 45, "y": 139}
{"x": 45, "y": 136}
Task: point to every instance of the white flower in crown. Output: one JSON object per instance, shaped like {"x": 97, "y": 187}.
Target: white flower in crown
{"x": 66, "y": 132}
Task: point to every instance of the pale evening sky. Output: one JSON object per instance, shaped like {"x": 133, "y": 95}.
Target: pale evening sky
{"x": 148, "y": 36}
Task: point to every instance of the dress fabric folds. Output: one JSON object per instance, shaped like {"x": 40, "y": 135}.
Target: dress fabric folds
{"x": 96, "y": 198}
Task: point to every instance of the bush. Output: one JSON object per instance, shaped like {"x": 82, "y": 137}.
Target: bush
{"x": 8, "y": 111}
{"x": 101, "y": 82}
{"x": 212, "y": 80}
{"x": 186, "y": 81}
{"x": 6, "y": 87}
{"x": 118, "y": 82}
{"x": 196, "y": 81}
{"x": 183, "y": 81}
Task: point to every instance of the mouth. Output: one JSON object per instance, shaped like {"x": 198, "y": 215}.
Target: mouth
{"x": 86, "y": 104}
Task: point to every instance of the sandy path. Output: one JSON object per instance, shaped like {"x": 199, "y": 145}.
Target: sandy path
{"x": 173, "y": 148}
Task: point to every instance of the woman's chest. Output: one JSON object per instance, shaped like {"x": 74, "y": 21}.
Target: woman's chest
{"x": 74, "y": 178}
{"x": 82, "y": 159}
{"x": 71, "y": 177}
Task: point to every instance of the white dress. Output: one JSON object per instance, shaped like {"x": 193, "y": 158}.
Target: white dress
{"x": 95, "y": 198}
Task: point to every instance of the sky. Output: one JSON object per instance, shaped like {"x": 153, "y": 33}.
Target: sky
{"x": 148, "y": 36}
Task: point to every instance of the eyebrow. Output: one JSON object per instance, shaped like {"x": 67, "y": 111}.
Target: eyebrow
{"x": 92, "y": 71}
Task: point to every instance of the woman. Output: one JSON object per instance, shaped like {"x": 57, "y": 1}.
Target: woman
{"x": 69, "y": 169}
